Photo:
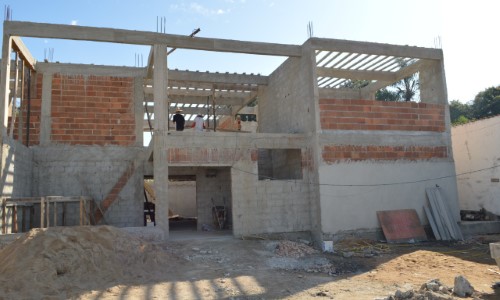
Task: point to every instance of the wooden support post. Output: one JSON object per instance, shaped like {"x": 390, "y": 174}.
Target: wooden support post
{"x": 4, "y": 218}
{"x": 14, "y": 227}
{"x": 47, "y": 211}
{"x": 32, "y": 216}
{"x": 20, "y": 122}
{"x": 23, "y": 224}
{"x": 55, "y": 213}
{"x": 14, "y": 98}
{"x": 42, "y": 212}
{"x": 64, "y": 213}
{"x": 81, "y": 212}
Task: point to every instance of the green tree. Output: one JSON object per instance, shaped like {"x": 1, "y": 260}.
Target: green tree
{"x": 460, "y": 112}
{"x": 355, "y": 84}
{"x": 386, "y": 95}
{"x": 486, "y": 103}
{"x": 403, "y": 90}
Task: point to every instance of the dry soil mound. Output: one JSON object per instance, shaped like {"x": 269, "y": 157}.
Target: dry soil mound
{"x": 62, "y": 261}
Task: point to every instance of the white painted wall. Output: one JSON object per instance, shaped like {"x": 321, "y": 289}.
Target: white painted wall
{"x": 476, "y": 146}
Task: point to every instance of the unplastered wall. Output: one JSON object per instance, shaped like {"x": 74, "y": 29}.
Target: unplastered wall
{"x": 182, "y": 198}
{"x": 287, "y": 105}
{"x": 216, "y": 187}
{"x": 17, "y": 179}
{"x": 475, "y": 147}
{"x": 268, "y": 206}
{"x": 17, "y": 163}
{"x": 91, "y": 171}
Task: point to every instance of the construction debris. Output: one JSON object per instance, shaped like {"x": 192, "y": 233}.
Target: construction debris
{"x": 294, "y": 249}
{"x": 434, "y": 289}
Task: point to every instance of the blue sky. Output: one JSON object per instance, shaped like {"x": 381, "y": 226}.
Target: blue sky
{"x": 467, "y": 34}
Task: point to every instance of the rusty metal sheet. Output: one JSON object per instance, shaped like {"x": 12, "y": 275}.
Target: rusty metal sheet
{"x": 400, "y": 226}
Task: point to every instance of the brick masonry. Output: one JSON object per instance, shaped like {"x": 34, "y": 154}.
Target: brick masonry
{"x": 92, "y": 110}
{"x": 347, "y": 114}
{"x": 336, "y": 153}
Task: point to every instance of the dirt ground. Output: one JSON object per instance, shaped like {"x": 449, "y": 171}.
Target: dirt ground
{"x": 224, "y": 267}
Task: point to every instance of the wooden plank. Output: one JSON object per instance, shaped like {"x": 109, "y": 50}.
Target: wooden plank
{"x": 17, "y": 44}
{"x": 4, "y": 219}
{"x": 432, "y": 222}
{"x": 14, "y": 228}
{"x": 55, "y": 213}
{"x": 42, "y": 212}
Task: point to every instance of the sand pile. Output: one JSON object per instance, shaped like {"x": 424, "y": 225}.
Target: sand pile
{"x": 63, "y": 261}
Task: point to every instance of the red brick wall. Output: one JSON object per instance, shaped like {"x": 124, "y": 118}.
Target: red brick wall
{"x": 335, "y": 153}
{"x": 348, "y": 114}
{"x": 93, "y": 110}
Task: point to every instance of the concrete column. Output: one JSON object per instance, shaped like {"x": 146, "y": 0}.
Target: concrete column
{"x": 5, "y": 84}
{"x": 46, "y": 118}
{"x": 309, "y": 62}
{"x": 160, "y": 79}
{"x": 139, "y": 110}
{"x": 433, "y": 83}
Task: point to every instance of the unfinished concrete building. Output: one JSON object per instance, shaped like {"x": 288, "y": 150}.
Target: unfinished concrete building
{"x": 322, "y": 160}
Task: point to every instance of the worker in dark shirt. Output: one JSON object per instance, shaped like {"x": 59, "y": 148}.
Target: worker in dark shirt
{"x": 178, "y": 119}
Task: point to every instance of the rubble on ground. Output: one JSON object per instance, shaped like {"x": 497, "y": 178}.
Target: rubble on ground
{"x": 293, "y": 249}
{"x": 435, "y": 290}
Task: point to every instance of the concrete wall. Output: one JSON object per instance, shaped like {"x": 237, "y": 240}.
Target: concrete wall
{"x": 258, "y": 206}
{"x": 91, "y": 171}
{"x": 287, "y": 105}
{"x": 17, "y": 179}
{"x": 216, "y": 187}
{"x": 476, "y": 146}
{"x": 182, "y": 198}
{"x": 345, "y": 208}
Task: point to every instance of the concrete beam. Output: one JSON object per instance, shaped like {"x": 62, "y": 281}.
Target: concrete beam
{"x": 403, "y": 73}
{"x": 202, "y": 93}
{"x": 225, "y": 111}
{"x": 355, "y": 74}
{"x": 85, "y": 33}
{"x": 18, "y": 45}
{"x": 85, "y": 69}
{"x": 199, "y": 100}
{"x": 375, "y": 48}
{"x": 225, "y": 78}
